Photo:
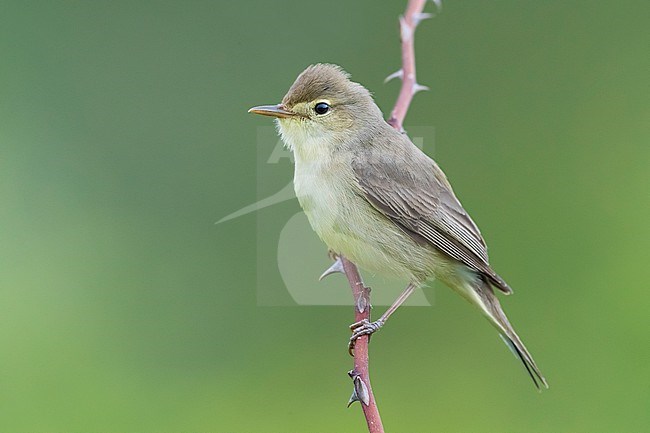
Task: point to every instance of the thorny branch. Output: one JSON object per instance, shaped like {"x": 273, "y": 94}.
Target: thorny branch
{"x": 407, "y": 23}
{"x": 361, "y": 294}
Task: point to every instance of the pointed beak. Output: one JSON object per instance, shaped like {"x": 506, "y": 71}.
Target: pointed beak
{"x": 273, "y": 111}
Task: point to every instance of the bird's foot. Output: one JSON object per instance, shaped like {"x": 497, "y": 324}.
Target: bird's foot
{"x": 360, "y": 328}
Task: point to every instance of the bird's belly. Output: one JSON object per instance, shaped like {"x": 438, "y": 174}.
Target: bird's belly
{"x": 350, "y": 226}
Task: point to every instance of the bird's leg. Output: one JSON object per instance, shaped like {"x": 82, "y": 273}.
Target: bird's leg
{"x": 365, "y": 327}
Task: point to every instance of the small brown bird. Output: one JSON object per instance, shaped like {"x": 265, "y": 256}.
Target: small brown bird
{"x": 375, "y": 198}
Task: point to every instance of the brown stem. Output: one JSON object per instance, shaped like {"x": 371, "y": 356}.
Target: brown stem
{"x": 360, "y": 293}
{"x": 407, "y": 24}
{"x": 361, "y": 296}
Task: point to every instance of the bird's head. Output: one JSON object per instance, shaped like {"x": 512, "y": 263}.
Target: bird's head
{"x": 322, "y": 108}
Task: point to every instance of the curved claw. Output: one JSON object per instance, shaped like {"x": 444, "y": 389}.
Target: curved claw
{"x": 360, "y": 328}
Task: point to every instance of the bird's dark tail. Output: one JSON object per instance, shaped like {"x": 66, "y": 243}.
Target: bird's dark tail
{"x": 520, "y": 352}
{"x": 493, "y": 311}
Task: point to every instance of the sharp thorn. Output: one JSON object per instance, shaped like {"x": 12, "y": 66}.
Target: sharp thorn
{"x": 438, "y": 4}
{"x": 417, "y": 18}
{"x": 361, "y": 390}
{"x": 397, "y": 74}
{"x": 337, "y": 267}
{"x": 405, "y": 30}
{"x": 419, "y": 88}
{"x": 354, "y": 397}
{"x": 362, "y": 303}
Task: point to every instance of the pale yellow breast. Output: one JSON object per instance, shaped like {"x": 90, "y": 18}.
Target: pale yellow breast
{"x": 349, "y": 225}
{"x": 337, "y": 211}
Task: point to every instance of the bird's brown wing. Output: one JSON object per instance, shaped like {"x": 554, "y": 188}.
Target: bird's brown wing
{"x": 422, "y": 203}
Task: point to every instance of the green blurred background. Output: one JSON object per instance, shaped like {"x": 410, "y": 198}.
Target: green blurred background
{"x": 124, "y": 137}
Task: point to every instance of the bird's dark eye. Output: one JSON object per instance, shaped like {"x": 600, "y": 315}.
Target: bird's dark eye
{"x": 322, "y": 108}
